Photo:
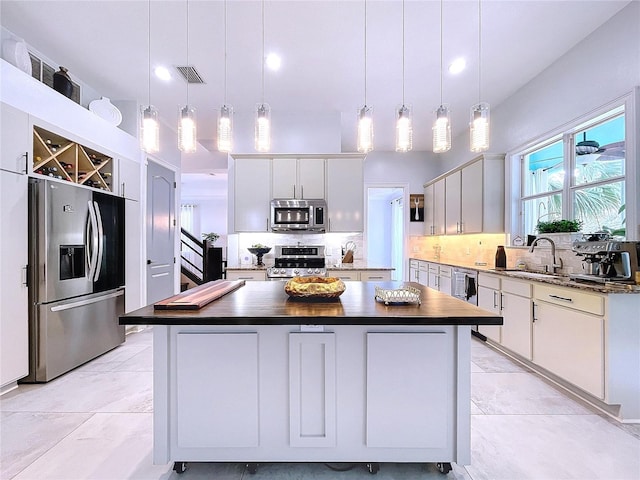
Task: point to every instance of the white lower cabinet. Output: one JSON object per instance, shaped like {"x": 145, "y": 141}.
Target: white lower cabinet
{"x": 312, "y": 389}
{"x": 249, "y": 275}
{"x": 362, "y": 275}
{"x": 516, "y": 305}
{"x": 414, "y": 274}
{"x": 569, "y": 342}
{"x": 423, "y": 273}
{"x": 489, "y": 299}
{"x": 407, "y": 377}
{"x": 217, "y": 390}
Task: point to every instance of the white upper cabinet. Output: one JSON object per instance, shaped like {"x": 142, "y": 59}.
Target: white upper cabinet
{"x": 472, "y": 198}
{"x": 14, "y": 148}
{"x": 128, "y": 176}
{"x": 302, "y": 178}
{"x": 345, "y": 194}
{"x": 252, "y": 187}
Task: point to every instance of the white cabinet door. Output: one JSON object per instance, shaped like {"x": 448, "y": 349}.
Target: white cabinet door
{"x": 472, "y": 201}
{"x": 453, "y": 195}
{"x": 345, "y": 194}
{"x": 252, "y": 194}
{"x": 489, "y": 299}
{"x": 15, "y": 145}
{"x": 312, "y": 389}
{"x": 516, "y": 330}
{"x": 569, "y": 343}
{"x": 14, "y": 347}
{"x": 128, "y": 179}
{"x": 284, "y": 171}
{"x": 350, "y": 275}
{"x": 429, "y": 220}
{"x": 445, "y": 284}
{"x": 408, "y": 401}
{"x": 439, "y": 208}
{"x": 217, "y": 390}
{"x": 250, "y": 275}
{"x": 423, "y": 274}
{"x": 311, "y": 183}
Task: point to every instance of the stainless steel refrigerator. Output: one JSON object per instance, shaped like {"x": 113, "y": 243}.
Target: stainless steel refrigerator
{"x": 76, "y": 276}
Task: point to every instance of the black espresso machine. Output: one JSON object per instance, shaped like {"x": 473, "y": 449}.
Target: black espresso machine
{"x": 607, "y": 260}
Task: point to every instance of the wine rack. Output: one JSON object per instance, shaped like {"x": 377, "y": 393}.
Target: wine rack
{"x": 58, "y": 157}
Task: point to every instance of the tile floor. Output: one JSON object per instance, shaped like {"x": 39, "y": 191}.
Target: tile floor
{"x": 95, "y": 423}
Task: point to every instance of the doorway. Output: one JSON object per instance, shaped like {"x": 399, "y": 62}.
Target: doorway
{"x": 385, "y": 228}
{"x": 161, "y": 227}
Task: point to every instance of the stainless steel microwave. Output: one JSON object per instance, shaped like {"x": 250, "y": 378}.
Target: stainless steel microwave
{"x": 301, "y": 216}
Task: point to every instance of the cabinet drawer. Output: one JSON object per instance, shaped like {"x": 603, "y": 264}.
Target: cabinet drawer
{"x": 245, "y": 275}
{"x": 570, "y": 298}
{"x": 374, "y": 275}
{"x": 423, "y": 266}
{"x": 434, "y": 269}
{"x": 490, "y": 281}
{"x": 414, "y": 264}
{"x": 344, "y": 275}
{"x": 445, "y": 270}
{"x": 517, "y": 287}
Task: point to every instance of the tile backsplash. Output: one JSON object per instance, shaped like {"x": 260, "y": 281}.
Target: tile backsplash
{"x": 480, "y": 249}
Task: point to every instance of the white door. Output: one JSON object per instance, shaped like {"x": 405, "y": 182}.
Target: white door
{"x": 161, "y": 226}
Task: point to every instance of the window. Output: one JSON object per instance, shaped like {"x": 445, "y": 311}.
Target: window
{"x": 595, "y": 191}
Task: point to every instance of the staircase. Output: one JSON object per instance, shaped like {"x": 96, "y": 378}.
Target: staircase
{"x": 200, "y": 262}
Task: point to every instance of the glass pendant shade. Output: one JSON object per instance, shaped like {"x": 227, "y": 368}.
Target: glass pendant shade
{"x": 149, "y": 130}
{"x": 442, "y": 130}
{"x": 225, "y": 129}
{"x": 365, "y": 129}
{"x": 479, "y": 127}
{"x": 263, "y": 128}
{"x": 187, "y": 129}
{"x": 404, "y": 129}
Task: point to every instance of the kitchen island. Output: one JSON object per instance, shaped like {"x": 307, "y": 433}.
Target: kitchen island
{"x": 256, "y": 376}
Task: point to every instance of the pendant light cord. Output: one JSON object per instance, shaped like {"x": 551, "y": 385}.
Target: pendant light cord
{"x": 365, "y": 53}
{"x": 187, "y": 53}
{"x": 149, "y": 52}
{"x": 479, "y": 50}
{"x": 403, "y": 53}
{"x": 263, "y": 52}
{"x": 441, "y": 52}
{"x": 225, "y": 52}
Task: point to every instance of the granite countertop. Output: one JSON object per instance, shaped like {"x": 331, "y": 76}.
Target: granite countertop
{"x": 560, "y": 280}
{"x": 356, "y": 265}
{"x": 267, "y": 303}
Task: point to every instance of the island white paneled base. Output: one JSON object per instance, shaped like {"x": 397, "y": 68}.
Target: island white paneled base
{"x": 280, "y": 393}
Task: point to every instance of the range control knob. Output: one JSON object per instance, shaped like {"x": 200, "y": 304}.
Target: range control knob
{"x": 296, "y": 272}
{"x": 282, "y": 271}
{"x": 309, "y": 271}
{"x": 316, "y": 271}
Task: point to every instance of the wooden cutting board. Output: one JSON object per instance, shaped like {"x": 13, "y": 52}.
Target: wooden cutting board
{"x": 200, "y": 296}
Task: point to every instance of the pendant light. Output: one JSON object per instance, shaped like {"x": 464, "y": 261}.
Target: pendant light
{"x": 225, "y": 115}
{"x": 365, "y": 113}
{"x": 479, "y": 122}
{"x": 263, "y": 112}
{"x": 149, "y": 128}
{"x": 404, "y": 128}
{"x": 442, "y": 125}
{"x": 187, "y": 114}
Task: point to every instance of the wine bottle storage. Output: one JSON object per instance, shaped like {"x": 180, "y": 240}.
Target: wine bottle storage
{"x": 58, "y": 157}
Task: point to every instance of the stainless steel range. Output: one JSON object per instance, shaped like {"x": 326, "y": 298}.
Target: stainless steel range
{"x": 292, "y": 261}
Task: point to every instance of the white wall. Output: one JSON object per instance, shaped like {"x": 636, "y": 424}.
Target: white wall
{"x": 397, "y": 169}
{"x": 602, "y": 67}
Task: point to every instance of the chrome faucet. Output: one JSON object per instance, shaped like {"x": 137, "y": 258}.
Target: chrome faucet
{"x": 555, "y": 263}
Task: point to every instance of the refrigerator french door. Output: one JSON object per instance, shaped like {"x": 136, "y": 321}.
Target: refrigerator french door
{"x": 76, "y": 276}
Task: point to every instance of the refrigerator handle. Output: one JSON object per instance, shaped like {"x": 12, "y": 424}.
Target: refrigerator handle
{"x": 92, "y": 247}
{"x": 89, "y": 301}
{"x": 100, "y": 235}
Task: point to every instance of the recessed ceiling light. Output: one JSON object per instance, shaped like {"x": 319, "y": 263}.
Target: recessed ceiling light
{"x": 162, "y": 73}
{"x": 273, "y": 61}
{"x": 457, "y": 65}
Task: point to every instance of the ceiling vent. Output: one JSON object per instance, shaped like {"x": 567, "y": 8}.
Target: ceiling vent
{"x": 190, "y": 74}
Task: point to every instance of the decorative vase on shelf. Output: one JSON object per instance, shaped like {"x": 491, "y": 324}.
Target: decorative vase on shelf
{"x": 62, "y": 82}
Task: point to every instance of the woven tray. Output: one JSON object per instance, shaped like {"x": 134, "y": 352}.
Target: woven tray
{"x": 402, "y": 295}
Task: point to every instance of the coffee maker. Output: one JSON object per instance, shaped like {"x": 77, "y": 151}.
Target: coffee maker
{"x": 607, "y": 260}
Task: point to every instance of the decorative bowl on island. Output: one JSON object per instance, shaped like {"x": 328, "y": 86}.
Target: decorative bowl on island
{"x": 315, "y": 287}
{"x": 259, "y": 251}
